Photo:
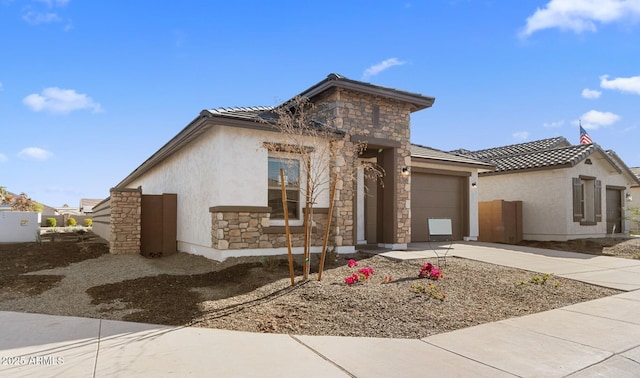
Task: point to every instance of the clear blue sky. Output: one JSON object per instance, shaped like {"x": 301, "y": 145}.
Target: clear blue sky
{"x": 90, "y": 89}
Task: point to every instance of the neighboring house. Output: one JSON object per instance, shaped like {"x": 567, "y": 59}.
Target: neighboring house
{"x": 634, "y": 200}
{"x": 216, "y": 175}
{"x": 87, "y": 204}
{"x": 48, "y": 211}
{"x": 66, "y": 210}
{"x": 567, "y": 191}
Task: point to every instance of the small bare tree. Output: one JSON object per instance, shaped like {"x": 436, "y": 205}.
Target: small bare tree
{"x": 326, "y": 156}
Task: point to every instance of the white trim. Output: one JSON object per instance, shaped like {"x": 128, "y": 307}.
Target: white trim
{"x": 223, "y": 254}
{"x": 360, "y": 206}
{"x": 395, "y": 247}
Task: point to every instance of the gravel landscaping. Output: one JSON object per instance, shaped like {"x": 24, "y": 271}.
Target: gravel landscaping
{"x": 80, "y": 278}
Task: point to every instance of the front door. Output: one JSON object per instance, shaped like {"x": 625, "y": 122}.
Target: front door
{"x": 614, "y": 211}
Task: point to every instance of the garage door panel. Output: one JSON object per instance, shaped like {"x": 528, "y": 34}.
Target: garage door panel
{"x": 436, "y": 196}
{"x": 438, "y": 199}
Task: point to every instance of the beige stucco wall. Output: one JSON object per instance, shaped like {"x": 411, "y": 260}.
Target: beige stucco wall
{"x": 225, "y": 166}
{"x": 547, "y": 205}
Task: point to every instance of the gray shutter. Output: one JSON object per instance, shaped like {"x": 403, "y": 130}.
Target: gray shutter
{"x": 597, "y": 201}
{"x": 577, "y": 199}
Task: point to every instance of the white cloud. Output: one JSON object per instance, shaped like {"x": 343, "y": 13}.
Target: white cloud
{"x": 580, "y": 15}
{"x": 61, "y": 101}
{"x": 623, "y": 84}
{"x": 54, "y": 3}
{"x": 594, "y": 119}
{"x": 591, "y": 93}
{"x": 379, "y": 67}
{"x": 521, "y": 135}
{"x": 553, "y": 124}
{"x": 1, "y": 87}
{"x": 35, "y": 153}
{"x": 3, "y": 158}
{"x": 36, "y": 18}
{"x": 38, "y": 14}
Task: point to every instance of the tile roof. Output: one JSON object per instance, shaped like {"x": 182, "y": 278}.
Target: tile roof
{"x": 555, "y": 157}
{"x": 425, "y": 152}
{"x": 545, "y": 153}
{"x": 636, "y": 171}
{"x": 253, "y": 113}
{"x": 514, "y": 149}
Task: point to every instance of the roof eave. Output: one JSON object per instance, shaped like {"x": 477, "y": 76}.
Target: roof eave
{"x": 418, "y": 101}
{"x": 524, "y": 170}
{"x": 481, "y": 166}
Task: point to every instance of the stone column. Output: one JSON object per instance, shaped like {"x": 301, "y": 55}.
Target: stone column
{"x": 125, "y": 220}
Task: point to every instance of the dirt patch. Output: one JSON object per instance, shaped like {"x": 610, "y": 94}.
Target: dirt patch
{"x": 148, "y": 295}
{"x": 69, "y": 277}
{"x": 20, "y": 258}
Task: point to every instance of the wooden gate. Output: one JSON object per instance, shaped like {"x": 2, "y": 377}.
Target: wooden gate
{"x": 158, "y": 225}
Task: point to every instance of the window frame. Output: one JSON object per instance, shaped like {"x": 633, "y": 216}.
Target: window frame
{"x": 285, "y": 159}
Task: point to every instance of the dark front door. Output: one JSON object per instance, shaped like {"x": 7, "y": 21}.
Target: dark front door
{"x": 614, "y": 211}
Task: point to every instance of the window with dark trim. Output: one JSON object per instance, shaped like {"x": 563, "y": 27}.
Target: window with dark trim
{"x": 587, "y": 200}
{"x": 292, "y": 186}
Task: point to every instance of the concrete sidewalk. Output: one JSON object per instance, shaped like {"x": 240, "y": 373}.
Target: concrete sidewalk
{"x": 600, "y": 338}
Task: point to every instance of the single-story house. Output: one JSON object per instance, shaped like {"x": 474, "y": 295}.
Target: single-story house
{"x": 219, "y": 183}
{"x": 567, "y": 191}
{"x": 87, "y": 204}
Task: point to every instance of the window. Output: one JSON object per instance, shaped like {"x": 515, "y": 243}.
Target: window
{"x": 587, "y": 200}
{"x": 292, "y": 185}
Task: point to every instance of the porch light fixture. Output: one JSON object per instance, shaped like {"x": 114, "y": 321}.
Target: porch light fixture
{"x": 474, "y": 185}
{"x": 405, "y": 171}
{"x": 628, "y": 196}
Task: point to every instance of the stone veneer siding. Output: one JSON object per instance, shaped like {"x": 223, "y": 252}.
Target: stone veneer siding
{"x": 375, "y": 118}
{"x": 238, "y": 227}
{"x": 125, "y": 221}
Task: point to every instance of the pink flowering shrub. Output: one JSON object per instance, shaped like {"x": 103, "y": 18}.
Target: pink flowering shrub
{"x": 363, "y": 274}
{"x": 431, "y": 272}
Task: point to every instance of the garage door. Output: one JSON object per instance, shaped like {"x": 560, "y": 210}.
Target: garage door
{"x": 437, "y": 196}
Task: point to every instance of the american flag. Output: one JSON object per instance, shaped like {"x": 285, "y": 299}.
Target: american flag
{"x": 584, "y": 137}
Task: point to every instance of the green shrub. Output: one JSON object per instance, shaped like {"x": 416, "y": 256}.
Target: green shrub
{"x": 52, "y": 222}
{"x": 88, "y": 222}
{"x": 71, "y": 222}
